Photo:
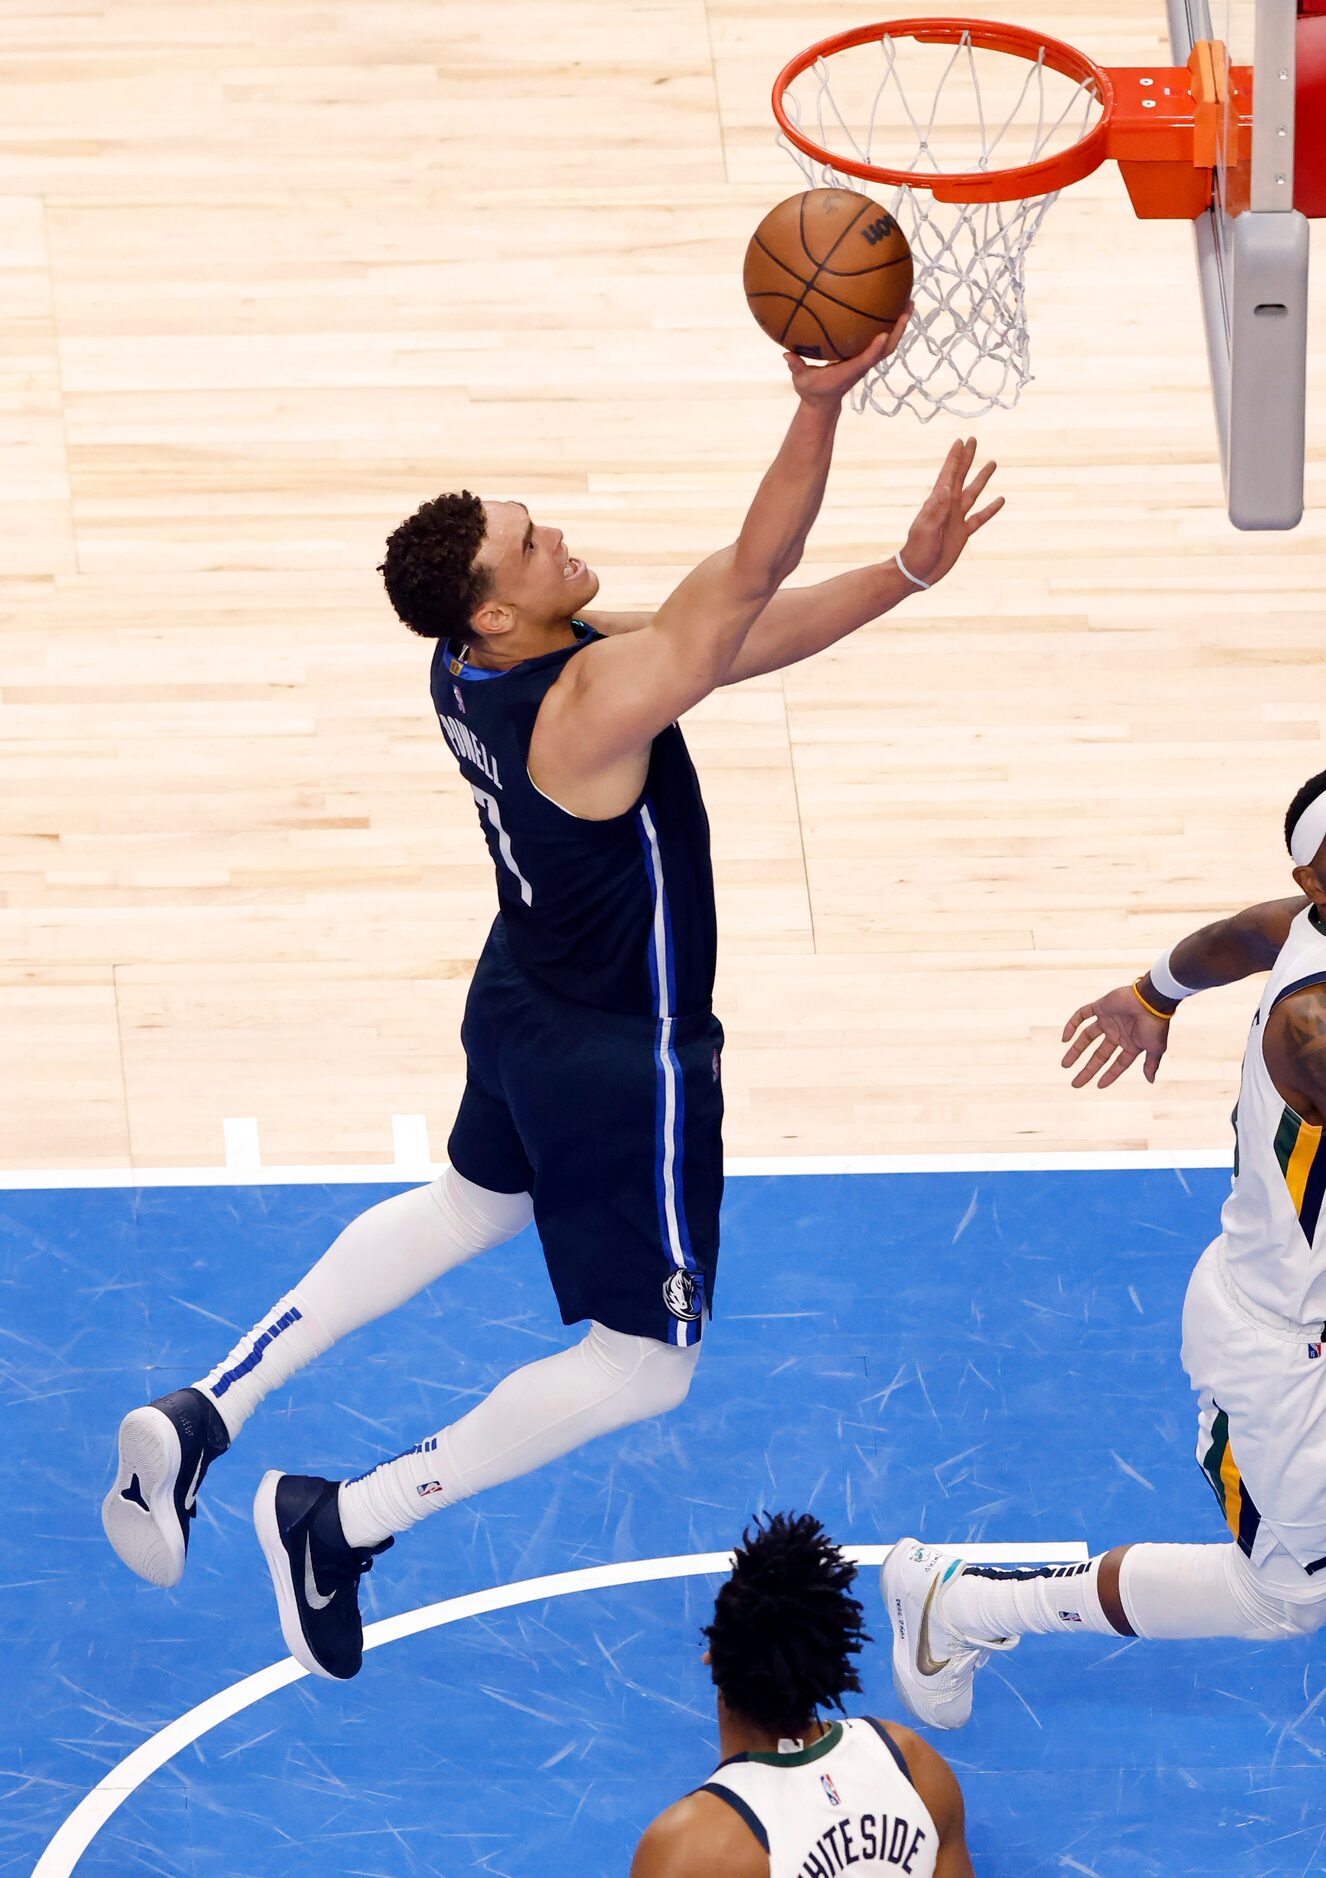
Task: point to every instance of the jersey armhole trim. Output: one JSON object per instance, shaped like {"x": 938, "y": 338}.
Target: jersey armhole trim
{"x": 892, "y": 1747}
{"x": 1299, "y": 984}
{"x": 739, "y": 1806}
{"x": 1287, "y": 991}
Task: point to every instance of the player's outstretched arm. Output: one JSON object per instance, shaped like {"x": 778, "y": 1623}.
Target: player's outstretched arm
{"x": 797, "y": 624}
{"x": 938, "y": 1786}
{"x": 1134, "y": 1020}
{"x": 614, "y": 699}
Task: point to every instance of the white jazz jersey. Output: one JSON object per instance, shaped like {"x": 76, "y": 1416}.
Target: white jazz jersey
{"x": 1273, "y": 1223}
{"x": 844, "y": 1801}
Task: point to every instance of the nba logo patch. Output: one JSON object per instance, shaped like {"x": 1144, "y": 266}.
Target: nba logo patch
{"x": 1314, "y": 1349}
{"x": 831, "y": 1790}
{"x": 714, "y": 1065}
{"x": 460, "y": 702}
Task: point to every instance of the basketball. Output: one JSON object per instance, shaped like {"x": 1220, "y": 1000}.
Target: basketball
{"x": 826, "y": 271}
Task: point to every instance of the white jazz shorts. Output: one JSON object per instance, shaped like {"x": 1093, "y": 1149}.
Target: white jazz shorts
{"x": 1261, "y": 1440}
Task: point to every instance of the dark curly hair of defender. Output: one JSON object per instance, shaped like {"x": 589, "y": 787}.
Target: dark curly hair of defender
{"x": 1311, "y": 789}
{"x": 429, "y": 567}
{"x": 785, "y": 1628}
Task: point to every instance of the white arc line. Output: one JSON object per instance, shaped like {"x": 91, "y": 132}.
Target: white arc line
{"x": 113, "y": 1789}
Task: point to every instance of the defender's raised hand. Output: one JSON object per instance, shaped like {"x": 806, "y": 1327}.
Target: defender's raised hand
{"x": 829, "y": 384}
{"x": 948, "y": 517}
{"x": 1122, "y": 1029}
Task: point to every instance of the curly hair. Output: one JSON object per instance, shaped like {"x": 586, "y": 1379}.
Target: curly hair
{"x": 429, "y": 569}
{"x": 785, "y": 1627}
{"x": 1311, "y": 789}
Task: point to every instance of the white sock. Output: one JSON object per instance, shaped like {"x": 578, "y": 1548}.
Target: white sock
{"x": 1165, "y": 1590}
{"x": 382, "y": 1258}
{"x": 1017, "y": 1601}
{"x": 531, "y": 1417}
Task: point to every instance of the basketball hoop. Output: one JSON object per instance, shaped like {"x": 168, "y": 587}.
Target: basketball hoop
{"x": 982, "y": 125}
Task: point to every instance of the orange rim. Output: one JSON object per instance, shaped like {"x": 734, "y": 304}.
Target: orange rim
{"x": 1004, "y": 185}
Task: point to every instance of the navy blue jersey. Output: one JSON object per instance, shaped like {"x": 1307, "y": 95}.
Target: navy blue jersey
{"x": 616, "y": 914}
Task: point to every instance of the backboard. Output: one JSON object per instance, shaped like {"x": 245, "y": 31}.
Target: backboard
{"x": 1252, "y": 262}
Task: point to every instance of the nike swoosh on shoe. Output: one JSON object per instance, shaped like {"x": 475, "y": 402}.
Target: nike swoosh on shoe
{"x": 926, "y": 1664}
{"x": 311, "y": 1593}
{"x": 192, "y": 1494}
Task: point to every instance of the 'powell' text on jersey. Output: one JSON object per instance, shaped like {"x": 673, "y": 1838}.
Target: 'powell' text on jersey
{"x": 467, "y": 746}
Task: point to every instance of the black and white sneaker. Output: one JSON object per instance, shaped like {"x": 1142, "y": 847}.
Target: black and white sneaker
{"x": 315, "y": 1573}
{"x": 165, "y": 1451}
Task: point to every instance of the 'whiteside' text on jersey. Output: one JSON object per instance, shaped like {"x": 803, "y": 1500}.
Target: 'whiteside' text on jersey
{"x": 882, "y": 1841}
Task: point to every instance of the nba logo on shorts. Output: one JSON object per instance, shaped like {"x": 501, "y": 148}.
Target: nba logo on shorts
{"x": 1314, "y": 1349}
{"x": 831, "y": 1790}
{"x": 681, "y": 1294}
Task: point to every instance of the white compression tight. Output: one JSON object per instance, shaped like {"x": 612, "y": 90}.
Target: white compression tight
{"x": 536, "y": 1414}
{"x": 539, "y": 1412}
{"x": 1207, "y": 1591}
{"x": 382, "y": 1258}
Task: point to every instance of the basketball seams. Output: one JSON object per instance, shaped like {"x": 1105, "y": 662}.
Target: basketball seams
{"x": 811, "y": 314}
{"x": 845, "y": 273}
{"x": 876, "y": 267}
{"x": 819, "y": 265}
{"x": 862, "y": 312}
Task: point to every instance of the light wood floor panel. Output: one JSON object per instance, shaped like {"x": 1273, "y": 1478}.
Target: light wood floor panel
{"x": 270, "y": 279}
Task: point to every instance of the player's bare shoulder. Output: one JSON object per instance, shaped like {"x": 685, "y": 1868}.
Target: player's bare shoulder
{"x": 937, "y": 1786}
{"x": 696, "y": 1837}
{"x": 1294, "y": 1049}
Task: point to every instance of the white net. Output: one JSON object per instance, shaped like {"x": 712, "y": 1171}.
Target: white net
{"x": 941, "y": 109}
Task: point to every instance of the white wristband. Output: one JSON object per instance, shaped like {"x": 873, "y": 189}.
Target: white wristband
{"x": 1166, "y": 983}
{"x": 907, "y": 574}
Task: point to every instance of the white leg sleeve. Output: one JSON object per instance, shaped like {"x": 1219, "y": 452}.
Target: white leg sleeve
{"x": 382, "y": 1258}
{"x": 1207, "y": 1591}
{"x": 1025, "y": 1600}
{"x": 536, "y": 1414}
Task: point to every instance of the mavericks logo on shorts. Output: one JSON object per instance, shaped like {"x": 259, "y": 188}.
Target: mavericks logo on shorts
{"x": 681, "y": 1294}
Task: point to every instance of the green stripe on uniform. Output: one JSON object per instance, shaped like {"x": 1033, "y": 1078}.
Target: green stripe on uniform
{"x": 1286, "y": 1139}
{"x": 1213, "y": 1459}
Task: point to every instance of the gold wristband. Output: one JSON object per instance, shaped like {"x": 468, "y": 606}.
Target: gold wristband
{"x": 1164, "y": 1016}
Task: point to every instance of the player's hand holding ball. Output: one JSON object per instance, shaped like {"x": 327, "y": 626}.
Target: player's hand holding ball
{"x": 830, "y": 384}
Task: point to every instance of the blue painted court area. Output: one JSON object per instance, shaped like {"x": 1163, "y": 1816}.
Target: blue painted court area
{"x": 970, "y": 1356}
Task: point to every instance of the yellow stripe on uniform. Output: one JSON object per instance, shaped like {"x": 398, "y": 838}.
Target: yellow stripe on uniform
{"x": 1233, "y": 1485}
{"x": 1300, "y": 1162}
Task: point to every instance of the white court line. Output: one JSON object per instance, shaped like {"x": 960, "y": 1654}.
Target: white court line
{"x": 243, "y": 1153}
{"x": 409, "y": 1141}
{"x": 90, "y": 1815}
{"x": 399, "y": 1173}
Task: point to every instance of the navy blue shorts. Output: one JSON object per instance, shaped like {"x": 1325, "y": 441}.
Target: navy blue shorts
{"x": 616, "y": 1131}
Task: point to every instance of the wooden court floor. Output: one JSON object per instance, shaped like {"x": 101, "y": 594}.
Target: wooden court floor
{"x": 270, "y": 275}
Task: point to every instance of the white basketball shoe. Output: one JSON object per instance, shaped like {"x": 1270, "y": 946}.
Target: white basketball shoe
{"x": 933, "y": 1666}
